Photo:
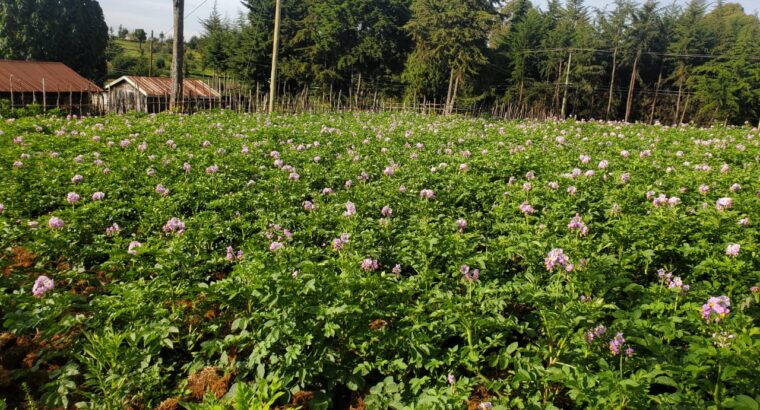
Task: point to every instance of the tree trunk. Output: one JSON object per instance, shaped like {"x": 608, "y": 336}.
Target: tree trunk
{"x": 454, "y": 93}
{"x": 451, "y": 86}
{"x": 567, "y": 84}
{"x": 654, "y": 100}
{"x": 634, "y": 74}
{"x": 685, "y": 107}
{"x": 612, "y": 81}
{"x": 175, "y": 100}
{"x": 678, "y": 101}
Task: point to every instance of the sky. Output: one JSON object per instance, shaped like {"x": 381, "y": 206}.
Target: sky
{"x": 156, "y": 15}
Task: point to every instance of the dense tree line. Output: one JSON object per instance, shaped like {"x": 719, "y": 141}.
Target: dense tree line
{"x": 646, "y": 62}
{"x": 71, "y": 31}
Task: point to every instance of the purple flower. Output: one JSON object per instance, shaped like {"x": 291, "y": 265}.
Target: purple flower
{"x": 463, "y": 167}
{"x": 308, "y": 205}
{"x": 402, "y": 189}
{"x": 744, "y": 222}
{"x": 471, "y": 276}
{"x": 527, "y": 186}
{"x": 735, "y": 188}
{"x": 369, "y": 264}
{"x": 396, "y": 269}
{"x": 55, "y": 223}
{"x": 275, "y": 245}
{"x": 427, "y": 194}
{"x": 704, "y": 189}
{"x": 340, "y": 242}
{"x": 556, "y": 257}
{"x": 2, "y": 208}
{"x": 132, "y": 248}
{"x": 294, "y": 176}
{"x": 572, "y": 190}
{"x": 72, "y": 197}
{"x": 175, "y": 226}
{"x": 187, "y": 167}
{"x": 212, "y": 169}
{"x": 162, "y": 190}
{"x": 732, "y": 250}
{"x": 594, "y": 333}
{"x": 716, "y": 308}
{"x": 350, "y": 209}
{"x": 230, "y": 254}
{"x": 724, "y": 203}
{"x": 576, "y": 224}
{"x": 616, "y": 343}
{"x": 527, "y": 209}
{"x": 485, "y": 405}
{"x": 77, "y": 179}
{"x": 42, "y": 285}
{"x": 461, "y": 225}
{"x": 97, "y": 196}
{"x": 625, "y": 177}
{"x": 450, "y": 378}
{"x": 629, "y": 352}
{"x": 386, "y": 211}
{"x": 113, "y": 230}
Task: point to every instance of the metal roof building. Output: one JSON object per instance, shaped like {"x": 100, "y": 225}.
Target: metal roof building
{"x": 151, "y": 94}
{"x": 51, "y": 84}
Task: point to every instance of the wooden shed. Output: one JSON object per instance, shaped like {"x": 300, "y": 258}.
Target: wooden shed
{"x": 49, "y": 84}
{"x": 151, "y": 94}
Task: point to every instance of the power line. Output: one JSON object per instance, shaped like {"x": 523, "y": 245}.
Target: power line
{"x": 652, "y": 53}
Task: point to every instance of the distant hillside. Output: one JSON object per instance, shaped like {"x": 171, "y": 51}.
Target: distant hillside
{"x": 127, "y": 57}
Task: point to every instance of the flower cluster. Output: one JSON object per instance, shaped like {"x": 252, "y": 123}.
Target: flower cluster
{"x": 174, "y": 226}
{"x": 716, "y": 308}
{"x": 369, "y": 265}
{"x": 557, "y": 257}
{"x": 594, "y": 333}
{"x": 576, "y": 224}
{"x": 471, "y": 276}
{"x": 42, "y": 285}
{"x": 617, "y": 343}
{"x": 232, "y": 255}
{"x": 733, "y": 249}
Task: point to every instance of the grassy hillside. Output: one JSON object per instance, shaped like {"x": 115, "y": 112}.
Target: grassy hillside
{"x": 132, "y": 59}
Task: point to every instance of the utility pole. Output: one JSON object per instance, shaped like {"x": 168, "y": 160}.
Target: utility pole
{"x": 150, "y": 59}
{"x": 273, "y": 77}
{"x": 567, "y": 83}
{"x": 175, "y": 99}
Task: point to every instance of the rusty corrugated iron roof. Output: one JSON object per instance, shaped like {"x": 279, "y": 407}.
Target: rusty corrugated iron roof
{"x": 28, "y": 76}
{"x": 162, "y": 86}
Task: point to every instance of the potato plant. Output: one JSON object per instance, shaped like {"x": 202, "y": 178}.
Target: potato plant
{"x": 386, "y": 261}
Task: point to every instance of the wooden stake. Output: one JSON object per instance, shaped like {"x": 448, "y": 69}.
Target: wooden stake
{"x": 275, "y": 43}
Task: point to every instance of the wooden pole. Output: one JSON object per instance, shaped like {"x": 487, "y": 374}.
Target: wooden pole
{"x": 150, "y": 53}
{"x": 612, "y": 82}
{"x": 634, "y": 74}
{"x": 44, "y": 96}
{"x": 175, "y": 100}
{"x": 567, "y": 84}
{"x": 275, "y": 44}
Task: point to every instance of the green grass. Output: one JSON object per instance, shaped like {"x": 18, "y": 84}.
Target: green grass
{"x": 193, "y": 57}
